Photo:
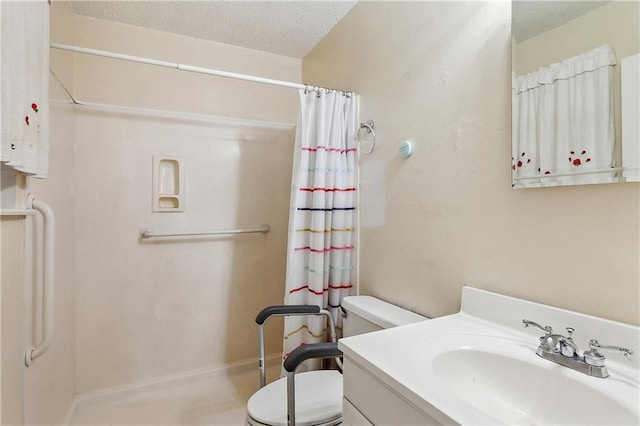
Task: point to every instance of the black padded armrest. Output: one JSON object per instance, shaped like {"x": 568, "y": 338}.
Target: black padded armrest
{"x": 286, "y": 310}
{"x": 312, "y": 350}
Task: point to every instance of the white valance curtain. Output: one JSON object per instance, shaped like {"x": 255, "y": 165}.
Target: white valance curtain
{"x": 563, "y": 121}
{"x": 24, "y": 86}
{"x": 320, "y": 253}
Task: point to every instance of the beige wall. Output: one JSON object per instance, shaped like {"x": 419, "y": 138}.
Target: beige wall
{"x": 616, "y": 24}
{"x": 447, "y": 216}
{"x": 148, "y": 310}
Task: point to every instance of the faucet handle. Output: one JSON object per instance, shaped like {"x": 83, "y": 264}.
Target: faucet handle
{"x": 527, "y": 323}
{"x": 595, "y": 358}
{"x": 567, "y": 346}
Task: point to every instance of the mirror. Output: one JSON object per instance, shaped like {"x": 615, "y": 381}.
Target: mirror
{"x": 561, "y": 134}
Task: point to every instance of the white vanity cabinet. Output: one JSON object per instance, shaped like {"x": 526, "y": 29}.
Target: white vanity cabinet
{"x": 369, "y": 401}
{"x": 469, "y": 368}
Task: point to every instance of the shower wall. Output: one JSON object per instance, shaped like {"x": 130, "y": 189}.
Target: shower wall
{"x": 148, "y": 310}
{"x": 151, "y": 309}
{"x": 11, "y": 316}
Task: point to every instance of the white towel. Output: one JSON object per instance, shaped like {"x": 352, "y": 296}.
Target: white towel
{"x": 24, "y": 85}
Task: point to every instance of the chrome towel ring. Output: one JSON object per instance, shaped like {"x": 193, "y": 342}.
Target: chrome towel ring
{"x": 368, "y": 125}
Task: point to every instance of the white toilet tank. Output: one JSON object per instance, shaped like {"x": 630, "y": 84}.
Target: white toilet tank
{"x": 366, "y": 313}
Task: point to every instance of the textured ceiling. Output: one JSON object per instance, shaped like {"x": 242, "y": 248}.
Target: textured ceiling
{"x": 290, "y": 28}
{"x": 532, "y": 17}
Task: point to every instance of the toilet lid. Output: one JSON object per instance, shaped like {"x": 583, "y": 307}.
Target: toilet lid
{"x": 318, "y": 399}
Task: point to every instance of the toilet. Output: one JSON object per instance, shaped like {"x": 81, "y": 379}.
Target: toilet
{"x": 268, "y": 406}
{"x": 364, "y": 314}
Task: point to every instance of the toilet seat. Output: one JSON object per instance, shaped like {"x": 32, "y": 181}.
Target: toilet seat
{"x": 318, "y": 400}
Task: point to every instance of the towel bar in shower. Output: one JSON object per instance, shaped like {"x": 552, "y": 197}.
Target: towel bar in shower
{"x": 148, "y": 233}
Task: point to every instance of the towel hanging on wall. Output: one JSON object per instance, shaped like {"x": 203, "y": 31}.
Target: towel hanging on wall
{"x": 25, "y": 86}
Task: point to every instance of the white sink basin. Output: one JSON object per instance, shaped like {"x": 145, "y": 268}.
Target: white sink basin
{"x": 514, "y": 386}
{"x": 480, "y": 366}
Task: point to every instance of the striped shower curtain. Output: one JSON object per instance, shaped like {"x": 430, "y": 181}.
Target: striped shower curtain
{"x": 320, "y": 253}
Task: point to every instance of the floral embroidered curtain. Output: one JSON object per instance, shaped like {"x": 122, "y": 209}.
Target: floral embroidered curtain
{"x": 24, "y": 86}
{"x": 563, "y": 121}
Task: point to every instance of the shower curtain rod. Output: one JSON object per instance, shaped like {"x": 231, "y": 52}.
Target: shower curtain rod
{"x": 167, "y": 113}
{"x": 182, "y": 67}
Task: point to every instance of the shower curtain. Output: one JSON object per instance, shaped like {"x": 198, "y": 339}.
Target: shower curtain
{"x": 320, "y": 253}
{"x": 563, "y": 120}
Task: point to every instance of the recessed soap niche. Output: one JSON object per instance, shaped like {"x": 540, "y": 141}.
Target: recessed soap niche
{"x": 168, "y": 184}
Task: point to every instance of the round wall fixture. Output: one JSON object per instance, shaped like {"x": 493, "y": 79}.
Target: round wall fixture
{"x": 406, "y": 149}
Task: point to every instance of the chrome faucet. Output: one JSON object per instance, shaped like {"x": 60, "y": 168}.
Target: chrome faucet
{"x": 551, "y": 342}
{"x": 563, "y": 350}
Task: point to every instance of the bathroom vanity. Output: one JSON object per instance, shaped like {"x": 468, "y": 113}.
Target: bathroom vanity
{"x": 482, "y": 366}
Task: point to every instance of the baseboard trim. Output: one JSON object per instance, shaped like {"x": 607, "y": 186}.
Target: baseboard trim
{"x": 123, "y": 391}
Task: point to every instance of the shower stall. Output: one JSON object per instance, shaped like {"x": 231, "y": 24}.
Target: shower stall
{"x": 172, "y": 197}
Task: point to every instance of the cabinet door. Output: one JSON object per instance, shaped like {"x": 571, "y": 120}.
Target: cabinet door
{"x": 379, "y": 403}
{"x": 351, "y": 416}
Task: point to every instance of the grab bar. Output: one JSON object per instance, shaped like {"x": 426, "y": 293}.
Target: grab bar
{"x": 147, "y": 233}
{"x": 48, "y": 278}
